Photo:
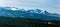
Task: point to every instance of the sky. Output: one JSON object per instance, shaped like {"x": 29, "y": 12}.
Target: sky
{"x": 52, "y": 6}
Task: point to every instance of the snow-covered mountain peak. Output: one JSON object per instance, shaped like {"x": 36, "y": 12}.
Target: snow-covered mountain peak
{"x": 36, "y": 13}
{"x": 18, "y": 11}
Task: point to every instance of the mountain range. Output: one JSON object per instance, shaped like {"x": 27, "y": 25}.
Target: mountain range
{"x": 34, "y": 14}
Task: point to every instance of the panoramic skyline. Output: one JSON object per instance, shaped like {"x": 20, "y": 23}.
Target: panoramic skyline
{"x": 52, "y": 6}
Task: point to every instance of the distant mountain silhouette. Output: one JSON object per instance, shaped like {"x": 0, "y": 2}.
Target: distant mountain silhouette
{"x": 35, "y": 14}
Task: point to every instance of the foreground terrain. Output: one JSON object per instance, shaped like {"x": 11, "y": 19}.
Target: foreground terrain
{"x": 27, "y": 22}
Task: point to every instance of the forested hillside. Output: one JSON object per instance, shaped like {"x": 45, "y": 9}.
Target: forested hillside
{"x": 27, "y": 22}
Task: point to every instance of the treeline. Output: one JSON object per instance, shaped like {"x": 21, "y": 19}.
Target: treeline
{"x": 27, "y": 22}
